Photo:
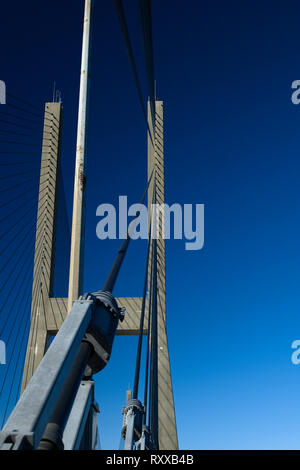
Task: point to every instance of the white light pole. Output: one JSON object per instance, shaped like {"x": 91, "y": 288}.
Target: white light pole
{"x": 78, "y": 220}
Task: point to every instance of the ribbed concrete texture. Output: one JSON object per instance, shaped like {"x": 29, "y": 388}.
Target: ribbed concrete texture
{"x": 42, "y": 286}
{"x": 166, "y": 412}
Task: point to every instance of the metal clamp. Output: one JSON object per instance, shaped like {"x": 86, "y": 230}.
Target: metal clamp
{"x": 132, "y": 422}
{"x": 101, "y": 331}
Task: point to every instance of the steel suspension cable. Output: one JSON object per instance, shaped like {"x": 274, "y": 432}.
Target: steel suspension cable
{"x": 146, "y": 26}
{"x": 17, "y": 362}
{"x": 12, "y": 142}
{"x": 37, "y": 291}
{"x": 154, "y": 346}
{"x": 141, "y": 329}
{"x": 21, "y": 118}
{"x": 17, "y": 277}
{"x": 23, "y": 110}
{"x": 28, "y": 276}
{"x": 25, "y": 162}
{"x": 17, "y": 125}
{"x": 148, "y": 344}
{"x": 23, "y": 336}
{"x": 24, "y": 313}
{"x": 113, "y": 274}
{"x": 15, "y": 199}
{"x": 21, "y": 233}
{"x": 32, "y": 208}
{"x": 27, "y": 265}
{"x": 19, "y": 134}
{"x": 11, "y": 188}
{"x": 12, "y": 329}
{"x": 126, "y": 37}
{"x": 21, "y": 100}
{"x": 27, "y": 172}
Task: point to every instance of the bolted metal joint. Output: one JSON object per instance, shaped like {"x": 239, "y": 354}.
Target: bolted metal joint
{"x": 107, "y": 299}
{"x": 145, "y": 442}
{"x": 101, "y": 331}
{"x": 16, "y": 441}
{"x": 133, "y": 407}
{"x": 51, "y": 437}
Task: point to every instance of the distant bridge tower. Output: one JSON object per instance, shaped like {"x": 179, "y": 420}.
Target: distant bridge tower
{"x": 167, "y": 431}
{"x": 48, "y": 313}
{"x": 166, "y": 412}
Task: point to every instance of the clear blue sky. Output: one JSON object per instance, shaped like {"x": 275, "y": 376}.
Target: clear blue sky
{"x": 232, "y": 142}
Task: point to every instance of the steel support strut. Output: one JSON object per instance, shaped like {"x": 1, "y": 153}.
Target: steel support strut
{"x": 52, "y": 437}
{"x": 81, "y": 347}
{"x": 83, "y": 410}
{"x": 132, "y": 423}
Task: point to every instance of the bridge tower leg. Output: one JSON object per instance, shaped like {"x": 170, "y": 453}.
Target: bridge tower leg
{"x": 47, "y": 314}
{"x": 166, "y": 412}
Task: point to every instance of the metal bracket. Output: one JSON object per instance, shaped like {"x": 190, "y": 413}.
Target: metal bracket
{"x": 102, "y": 329}
{"x": 28, "y": 420}
{"x": 132, "y": 423}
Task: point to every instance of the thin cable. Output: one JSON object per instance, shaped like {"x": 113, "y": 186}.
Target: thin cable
{"x": 26, "y": 162}
{"x": 15, "y": 199}
{"x": 21, "y": 346}
{"x": 126, "y": 37}
{"x": 17, "y": 362}
{"x": 21, "y": 118}
{"x": 147, "y": 358}
{"x": 28, "y": 172}
{"x": 11, "y": 290}
{"x": 141, "y": 329}
{"x": 154, "y": 351}
{"x": 37, "y": 275}
{"x": 7, "y": 232}
{"x": 147, "y": 395}
{"x": 38, "y": 263}
{"x": 24, "y": 110}
{"x": 23, "y": 101}
{"x": 146, "y": 25}
{"x": 17, "y": 125}
{"x": 36, "y": 187}
{"x": 19, "y": 143}
{"x": 30, "y": 273}
{"x": 113, "y": 274}
{"x": 19, "y": 153}
{"x": 12, "y": 306}
{"x": 149, "y": 322}
{"x": 22, "y": 183}
{"x": 20, "y": 134}
{"x": 49, "y": 283}
{"x": 15, "y": 265}
{"x": 35, "y": 197}
{"x": 12, "y": 329}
